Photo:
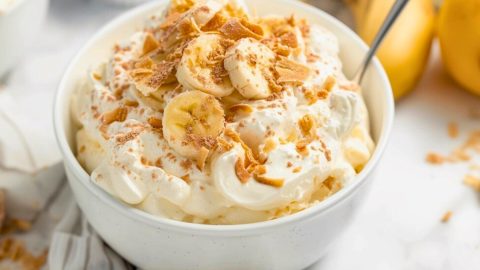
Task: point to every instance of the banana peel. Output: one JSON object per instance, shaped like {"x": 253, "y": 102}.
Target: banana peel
{"x": 405, "y": 50}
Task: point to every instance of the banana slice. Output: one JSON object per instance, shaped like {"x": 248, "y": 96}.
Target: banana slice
{"x": 154, "y": 100}
{"x": 201, "y": 67}
{"x": 149, "y": 76}
{"x": 249, "y": 64}
{"x": 191, "y": 123}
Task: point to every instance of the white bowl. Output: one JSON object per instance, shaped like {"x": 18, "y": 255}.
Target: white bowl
{"x": 292, "y": 242}
{"x": 19, "y": 24}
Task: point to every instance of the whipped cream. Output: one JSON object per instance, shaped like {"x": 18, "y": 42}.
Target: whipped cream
{"x": 308, "y": 139}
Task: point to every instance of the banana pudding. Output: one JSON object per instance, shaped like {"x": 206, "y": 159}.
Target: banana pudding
{"x": 210, "y": 115}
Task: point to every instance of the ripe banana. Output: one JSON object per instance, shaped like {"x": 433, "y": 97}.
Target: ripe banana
{"x": 405, "y": 50}
{"x": 201, "y": 67}
{"x": 249, "y": 65}
{"x": 191, "y": 123}
{"x": 459, "y": 35}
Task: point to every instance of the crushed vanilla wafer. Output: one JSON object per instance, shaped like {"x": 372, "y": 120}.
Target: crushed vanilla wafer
{"x": 472, "y": 181}
{"x": 446, "y": 217}
{"x": 453, "y": 130}
{"x": 11, "y": 226}
{"x": 463, "y": 153}
{"x": 15, "y": 251}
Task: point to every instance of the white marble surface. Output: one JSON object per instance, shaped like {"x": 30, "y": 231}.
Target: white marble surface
{"x": 399, "y": 226}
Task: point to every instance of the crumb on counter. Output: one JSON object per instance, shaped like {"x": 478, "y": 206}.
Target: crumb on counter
{"x": 446, "y": 217}
{"x": 461, "y": 153}
{"x": 434, "y": 158}
{"x": 14, "y": 250}
{"x": 453, "y": 130}
{"x": 472, "y": 181}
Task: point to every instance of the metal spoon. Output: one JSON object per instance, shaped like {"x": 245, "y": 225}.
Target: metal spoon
{"x": 387, "y": 24}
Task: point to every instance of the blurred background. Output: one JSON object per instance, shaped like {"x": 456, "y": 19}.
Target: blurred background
{"x": 422, "y": 213}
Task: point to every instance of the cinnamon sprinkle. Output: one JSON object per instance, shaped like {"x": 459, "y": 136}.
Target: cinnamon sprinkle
{"x": 186, "y": 164}
{"x": 123, "y": 138}
{"x": 326, "y": 151}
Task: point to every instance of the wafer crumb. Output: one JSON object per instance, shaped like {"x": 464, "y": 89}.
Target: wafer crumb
{"x": 242, "y": 174}
{"x": 472, "y": 181}
{"x": 22, "y": 225}
{"x": 15, "y": 225}
{"x": 274, "y": 182}
{"x": 14, "y": 250}
{"x": 453, "y": 131}
{"x": 434, "y": 158}
{"x": 446, "y": 217}
{"x": 460, "y": 154}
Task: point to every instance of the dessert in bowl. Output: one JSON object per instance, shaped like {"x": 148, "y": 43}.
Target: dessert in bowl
{"x": 205, "y": 114}
{"x": 210, "y": 116}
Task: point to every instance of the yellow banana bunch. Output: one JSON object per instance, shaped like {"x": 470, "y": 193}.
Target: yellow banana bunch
{"x": 405, "y": 50}
{"x": 459, "y": 35}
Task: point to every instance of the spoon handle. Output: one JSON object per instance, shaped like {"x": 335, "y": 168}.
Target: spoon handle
{"x": 387, "y": 24}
